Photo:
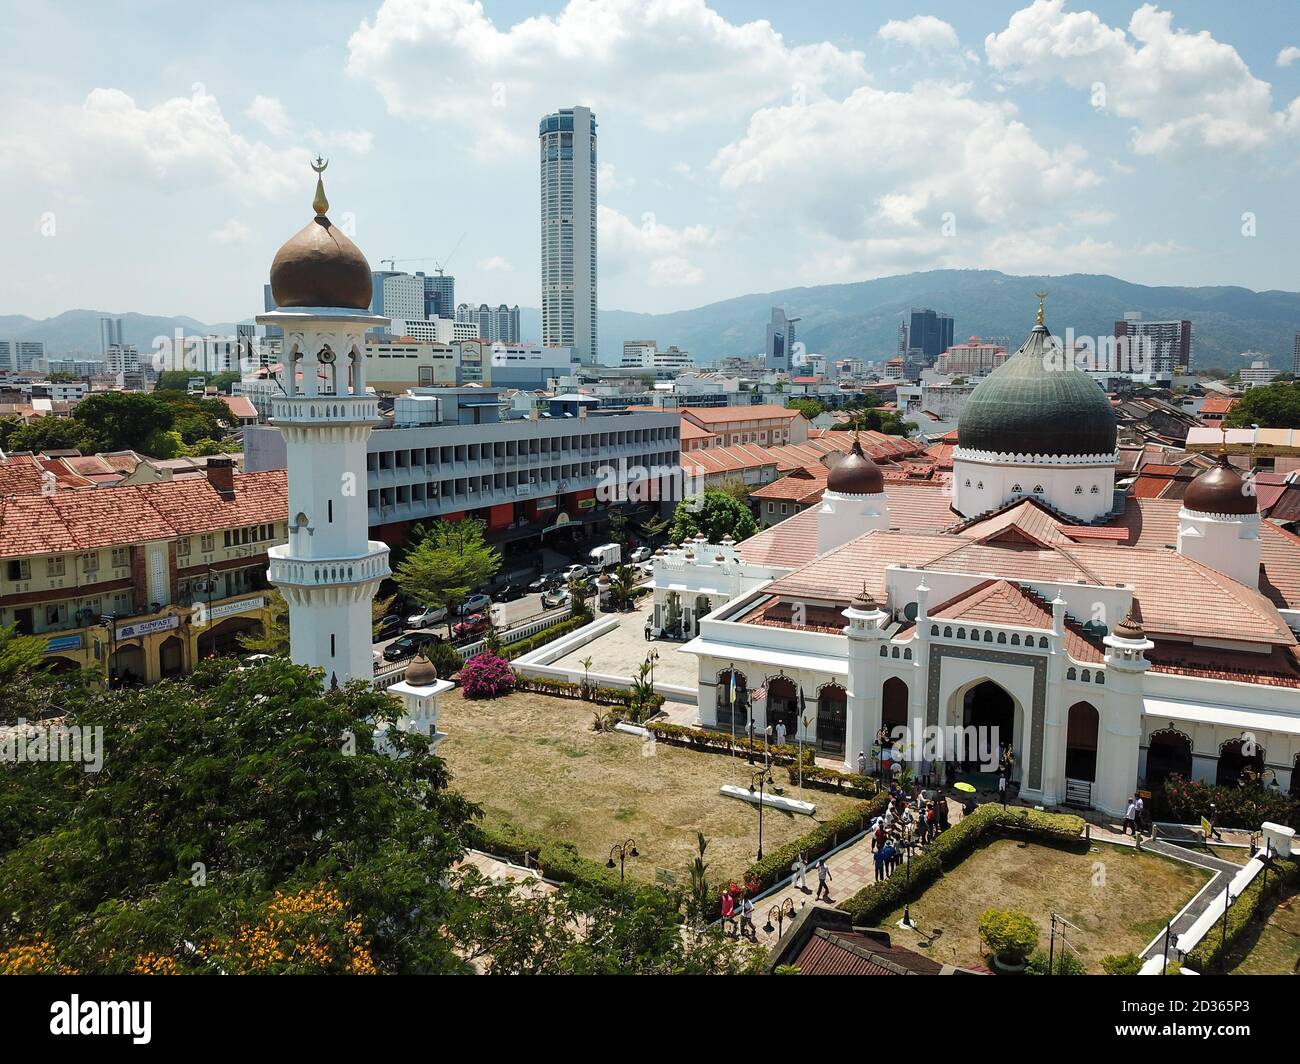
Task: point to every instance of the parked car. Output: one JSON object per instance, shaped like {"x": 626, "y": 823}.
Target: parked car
{"x": 471, "y": 627}
{"x": 554, "y": 597}
{"x": 546, "y": 581}
{"x": 641, "y": 554}
{"x": 388, "y": 626}
{"x": 575, "y": 571}
{"x": 408, "y": 645}
{"x": 510, "y": 592}
{"x": 427, "y": 616}
{"x": 474, "y": 604}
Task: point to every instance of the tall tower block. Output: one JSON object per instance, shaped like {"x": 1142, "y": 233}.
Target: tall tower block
{"x": 330, "y": 569}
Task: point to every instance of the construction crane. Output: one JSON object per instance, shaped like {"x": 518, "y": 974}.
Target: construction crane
{"x": 439, "y": 266}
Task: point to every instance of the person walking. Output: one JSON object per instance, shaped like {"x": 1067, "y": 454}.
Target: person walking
{"x": 879, "y": 857}
{"x": 1130, "y": 818}
{"x": 1139, "y": 808}
{"x": 747, "y": 918}
{"x": 887, "y": 855}
{"x": 780, "y": 733}
{"x": 800, "y": 869}
{"x": 862, "y": 763}
{"x": 1002, "y": 787}
{"x": 1213, "y": 818}
{"x": 823, "y": 878}
{"x": 728, "y": 912}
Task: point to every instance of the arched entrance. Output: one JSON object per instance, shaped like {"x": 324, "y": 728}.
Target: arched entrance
{"x": 893, "y": 704}
{"x": 1081, "y": 733}
{"x": 1169, "y": 753}
{"x": 733, "y": 711}
{"x": 1294, "y": 789}
{"x": 61, "y": 666}
{"x": 989, "y": 708}
{"x": 832, "y": 718}
{"x": 222, "y": 639}
{"x": 171, "y": 657}
{"x": 783, "y": 705}
{"x": 1241, "y": 761}
{"x": 126, "y": 667}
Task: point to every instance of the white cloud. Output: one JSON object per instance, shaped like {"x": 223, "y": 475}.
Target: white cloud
{"x": 496, "y": 264}
{"x": 233, "y": 232}
{"x": 662, "y": 63}
{"x": 1288, "y": 55}
{"x": 1180, "y": 88}
{"x": 922, "y": 32}
{"x": 608, "y": 179}
{"x": 655, "y": 253}
{"x": 1092, "y": 216}
{"x": 270, "y": 114}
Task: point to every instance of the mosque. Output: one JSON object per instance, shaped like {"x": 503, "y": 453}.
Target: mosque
{"x": 1110, "y": 640}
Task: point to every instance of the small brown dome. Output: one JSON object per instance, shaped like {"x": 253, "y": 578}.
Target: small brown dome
{"x": 855, "y": 474}
{"x": 1129, "y": 628}
{"x": 1221, "y": 490}
{"x": 421, "y": 672}
{"x": 320, "y": 267}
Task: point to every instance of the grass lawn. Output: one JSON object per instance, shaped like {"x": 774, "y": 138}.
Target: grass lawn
{"x": 1271, "y": 946}
{"x": 533, "y": 760}
{"x": 1119, "y": 899}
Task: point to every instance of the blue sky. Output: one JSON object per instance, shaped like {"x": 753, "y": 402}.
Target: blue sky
{"x": 154, "y": 155}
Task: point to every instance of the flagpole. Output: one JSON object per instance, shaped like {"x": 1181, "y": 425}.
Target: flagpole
{"x": 731, "y": 703}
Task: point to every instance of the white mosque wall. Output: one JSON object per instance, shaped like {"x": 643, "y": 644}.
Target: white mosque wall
{"x": 1082, "y": 487}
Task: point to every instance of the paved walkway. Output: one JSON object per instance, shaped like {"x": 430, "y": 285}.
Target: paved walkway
{"x": 498, "y": 870}
{"x": 1223, "y": 873}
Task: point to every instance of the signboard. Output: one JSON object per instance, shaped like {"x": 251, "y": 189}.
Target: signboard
{"x": 160, "y": 624}
{"x": 227, "y": 609}
{"x": 62, "y": 642}
{"x": 586, "y": 504}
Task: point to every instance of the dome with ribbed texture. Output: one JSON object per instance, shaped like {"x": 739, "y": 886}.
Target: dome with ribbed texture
{"x": 855, "y": 474}
{"x": 1221, "y": 489}
{"x": 421, "y": 672}
{"x": 1034, "y": 404}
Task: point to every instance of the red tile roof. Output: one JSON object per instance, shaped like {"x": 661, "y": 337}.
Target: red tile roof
{"x": 720, "y": 415}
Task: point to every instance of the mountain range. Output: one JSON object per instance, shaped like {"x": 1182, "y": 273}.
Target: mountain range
{"x": 859, "y": 319}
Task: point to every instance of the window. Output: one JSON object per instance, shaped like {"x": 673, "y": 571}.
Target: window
{"x": 90, "y": 562}
{"x": 783, "y": 508}
{"x": 225, "y": 538}
{"x": 208, "y": 543}
{"x": 1095, "y": 490}
{"x": 968, "y": 482}
{"x": 183, "y": 547}
{"x": 1078, "y": 489}
{"x": 121, "y": 557}
{"x": 1016, "y": 488}
{"x": 20, "y": 569}
{"x": 54, "y": 566}
{"x": 1038, "y": 489}
{"x": 55, "y": 614}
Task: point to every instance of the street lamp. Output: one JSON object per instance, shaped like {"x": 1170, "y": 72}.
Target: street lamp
{"x": 908, "y": 844}
{"x": 780, "y": 913}
{"x": 109, "y": 623}
{"x": 758, "y": 782}
{"x": 652, "y": 657}
{"x": 624, "y": 850}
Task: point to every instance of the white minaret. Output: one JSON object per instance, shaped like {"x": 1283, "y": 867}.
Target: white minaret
{"x": 854, "y": 501}
{"x": 330, "y": 569}
{"x": 1218, "y": 523}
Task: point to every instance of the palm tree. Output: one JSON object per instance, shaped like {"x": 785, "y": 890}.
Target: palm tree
{"x": 624, "y": 586}
{"x": 586, "y": 685}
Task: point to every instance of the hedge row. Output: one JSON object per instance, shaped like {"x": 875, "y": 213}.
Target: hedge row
{"x": 819, "y": 841}
{"x": 830, "y": 779}
{"x": 556, "y": 859}
{"x": 722, "y": 742}
{"x": 877, "y": 900}
{"x": 524, "y": 646}
{"x": 1205, "y": 956}
{"x": 605, "y": 696}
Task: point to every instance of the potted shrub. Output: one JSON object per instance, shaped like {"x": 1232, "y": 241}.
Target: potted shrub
{"x": 1010, "y": 935}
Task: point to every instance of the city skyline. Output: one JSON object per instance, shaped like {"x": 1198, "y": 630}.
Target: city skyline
{"x": 938, "y": 136}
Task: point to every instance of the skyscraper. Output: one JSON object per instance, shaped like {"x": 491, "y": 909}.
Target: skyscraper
{"x": 1155, "y": 348}
{"x": 929, "y": 332}
{"x": 439, "y": 295}
{"x": 568, "y": 183}
{"x": 780, "y": 341}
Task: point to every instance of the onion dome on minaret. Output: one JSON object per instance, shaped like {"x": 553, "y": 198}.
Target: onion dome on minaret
{"x": 1221, "y": 489}
{"x": 319, "y": 266}
{"x": 1038, "y": 403}
{"x": 855, "y": 474}
{"x": 421, "y": 672}
{"x": 1130, "y": 628}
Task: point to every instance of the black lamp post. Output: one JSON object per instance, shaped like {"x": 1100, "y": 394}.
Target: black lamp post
{"x": 758, "y": 782}
{"x": 908, "y": 844}
{"x": 624, "y": 850}
{"x": 780, "y": 913}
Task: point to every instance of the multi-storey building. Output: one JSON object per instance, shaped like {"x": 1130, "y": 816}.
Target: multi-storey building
{"x": 929, "y": 332}
{"x": 439, "y": 295}
{"x": 394, "y": 366}
{"x": 21, "y": 355}
{"x": 1154, "y": 349}
{"x": 974, "y": 358}
{"x": 645, "y": 354}
{"x": 780, "y": 342}
{"x": 138, "y": 582}
{"x": 568, "y": 195}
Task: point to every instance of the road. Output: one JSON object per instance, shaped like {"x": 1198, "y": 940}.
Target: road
{"x": 504, "y": 615}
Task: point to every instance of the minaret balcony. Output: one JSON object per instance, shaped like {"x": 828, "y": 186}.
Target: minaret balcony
{"x": 324, "y": 409}
{"x": 285, "y": 571}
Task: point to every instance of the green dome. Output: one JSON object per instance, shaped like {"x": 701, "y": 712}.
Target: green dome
{"x": 1033, "y": 405}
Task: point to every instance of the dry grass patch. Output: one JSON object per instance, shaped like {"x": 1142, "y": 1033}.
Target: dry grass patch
{"x": 532, "y": 760}
{"x": 1117, "y": 897}
{"x": 1271, "y": 945}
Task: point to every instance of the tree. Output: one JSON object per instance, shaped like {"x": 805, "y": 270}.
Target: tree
{"x": 274, "y": 636}
{"x": 618, "y": 529}
{"x": 809, "y": 408}
{"x": 579, "y": 597}
{"x": 736, "y": 488}
{"x": 122, "y": 421}
{"x": 714, "y": 515}
{"x": 654, "y": 527}
{"x": 450, "y": 559}
{"x": 219, "y": 794}
{"x": 624, "y": 585}
{"x": 580, "y": 932}
{"x": 1273, "y": 406}
{"x": 48, "y": 433}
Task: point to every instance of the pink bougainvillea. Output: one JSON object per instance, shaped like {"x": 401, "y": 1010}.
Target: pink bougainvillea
{"x": 486, "y": 676}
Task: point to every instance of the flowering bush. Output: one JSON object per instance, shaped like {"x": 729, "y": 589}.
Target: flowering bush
{"x": 487, "y": 676}
{"x": 1186, "y": 801}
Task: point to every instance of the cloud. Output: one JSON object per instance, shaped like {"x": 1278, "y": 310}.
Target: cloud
{"x": 496, "y": 264}
{"x": 233, "y": 232}
{"x": 922, "y": 32}
{"x": 1288, "y": 55}
{"x": 608, "y": 179}
{"x": 652, "y": 252}
{"x": 270, "y": 114}
{"x": 1181, "y": 89}
{"x": 663, "y": 64}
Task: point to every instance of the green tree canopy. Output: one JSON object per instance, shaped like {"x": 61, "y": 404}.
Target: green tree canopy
{"x": 449, "y": 560}
{"x": 714, "y": 515}
{"x": 809, "y": 408}
{"x": 1273, "y": 406}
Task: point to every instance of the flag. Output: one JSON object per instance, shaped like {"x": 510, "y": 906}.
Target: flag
{"x": 731, "y": 696}
{"x": 761, "y": 692}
